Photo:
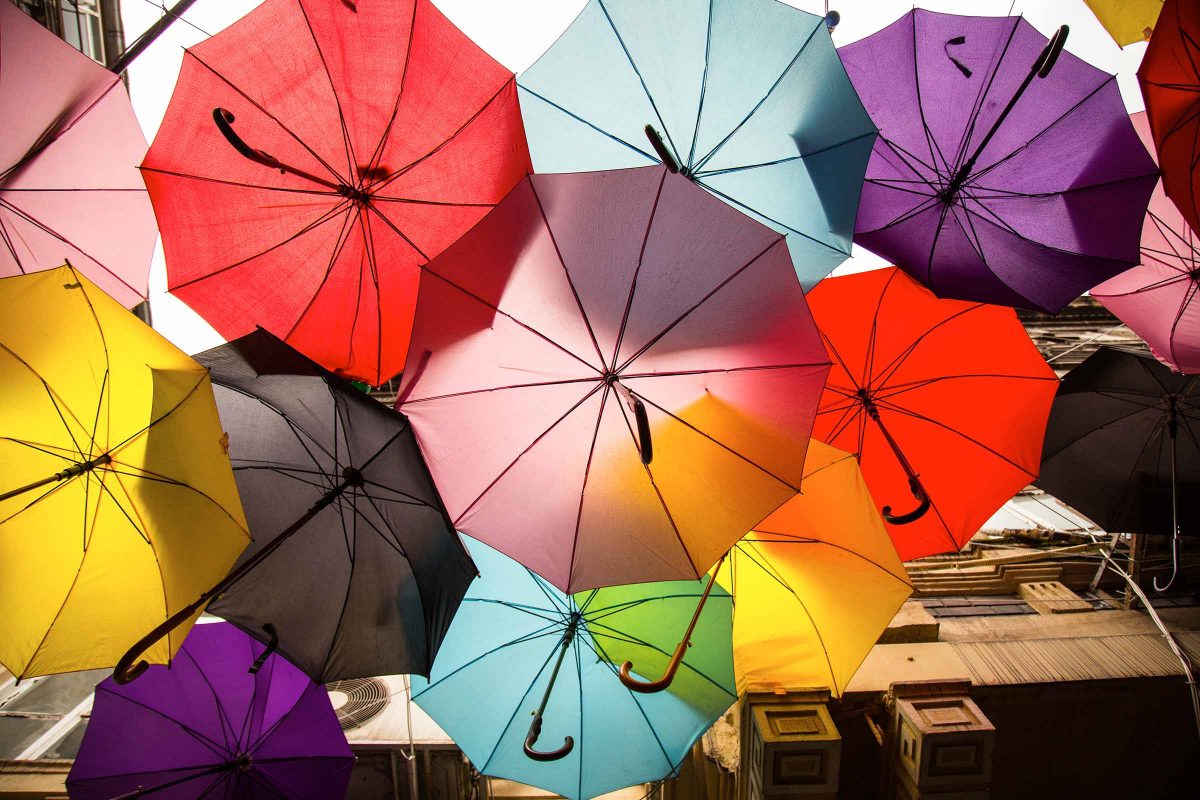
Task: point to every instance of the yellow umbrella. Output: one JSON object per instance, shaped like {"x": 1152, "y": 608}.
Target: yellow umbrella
{"x": 815, "y": 583}
{"x": 117, "y": 500}
{"x": 1127, "y": 21}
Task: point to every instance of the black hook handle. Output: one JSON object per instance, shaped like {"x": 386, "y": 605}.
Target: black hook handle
{"x": 126, "y": 671}
{"x": 535, "y": 730}
{"x": 224, "y": 119}
{"x": 640, "y": 418}
{"x": 918, "y": 491}
{"x": 271, "y": 647}
{"x": 1052, "y": 51}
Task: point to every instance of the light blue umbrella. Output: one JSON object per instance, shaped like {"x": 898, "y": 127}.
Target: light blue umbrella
{"x": 519, "y": 647}
{"x": 746, "y": 97}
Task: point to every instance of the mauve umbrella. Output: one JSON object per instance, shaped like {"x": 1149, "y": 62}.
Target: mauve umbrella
{"x": 1006, "y": 170}
{"x": 213, "y": 727}
{"x": 69, "y": 187}
{"x": 613, "y": 377}
{"x": 355, "y": 566}
{"x": 1157, "y": 299}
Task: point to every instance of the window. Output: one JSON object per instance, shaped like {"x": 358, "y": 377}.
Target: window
{"x": 82, "y": 27}
{"x": 45, "y": 717}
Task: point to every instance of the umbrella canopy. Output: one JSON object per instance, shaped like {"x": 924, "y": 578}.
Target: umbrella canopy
{"x": 117, "y": 503}
{"x": 1170, "y": 79}
{"x": 1108, "y": 443}
{"x": 1157, "y": 299}
{"x": 1006, "y": 171}
{"x": 941, "y": 398}
{"x": 355, "y": 567}
{"x": 814, "y": 584}
{"x": 745, "y": 97}
{"x": 518, "y": 640}
{"x": 208, "y": 727}
{"x": 614, "y": 377}
{"x": 69, "y": 188}
{"x": 1127, "y": 21}
{"x": 313, "y": 156}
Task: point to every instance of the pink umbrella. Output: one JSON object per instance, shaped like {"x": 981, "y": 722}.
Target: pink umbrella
{"x": 69, "y": 184}
{"x": 1156, "y": 299}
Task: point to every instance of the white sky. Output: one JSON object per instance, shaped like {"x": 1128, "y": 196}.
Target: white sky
{"x": 516, "y": 32}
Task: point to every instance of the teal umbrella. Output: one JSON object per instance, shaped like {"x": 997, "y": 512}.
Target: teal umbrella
{"x": 746, "y": 97}
{"x": 525, "y": 682}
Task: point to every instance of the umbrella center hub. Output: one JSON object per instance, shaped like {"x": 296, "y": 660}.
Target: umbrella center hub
{"x": 353, "y": 477}
{"x": 353, "y": 193}
{"x": 242, "y": 762}
{"x": 1195, "y": 275}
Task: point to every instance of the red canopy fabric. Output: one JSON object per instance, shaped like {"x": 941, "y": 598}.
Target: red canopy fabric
{"x": 393, "y": 133}
{"x": 958, "y": 385}
{"x": 1170, "y": 79}
{"x": 69, "y": 187}
{"x": 541, "y": 331}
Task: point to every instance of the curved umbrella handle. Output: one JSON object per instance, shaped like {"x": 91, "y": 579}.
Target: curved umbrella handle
{"x": 1174, "y": 569}
{"x": 224, "y": 119}
{"x": 535, "y": 730}
{"x": 641, "y": 420}
{"x": 272, "y": 646}
{"x": 1053, "y": 50}
{"x": 126, "y": 671}
{"x": 918, "y": 491}
{"x": 660, "y": 147}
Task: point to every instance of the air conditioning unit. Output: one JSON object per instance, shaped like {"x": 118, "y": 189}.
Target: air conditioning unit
{"x": 790, "y": 747}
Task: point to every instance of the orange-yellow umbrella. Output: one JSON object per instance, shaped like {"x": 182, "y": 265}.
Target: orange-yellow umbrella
{"x": 815, "y": 583}
{"x": 1127, "y": 21}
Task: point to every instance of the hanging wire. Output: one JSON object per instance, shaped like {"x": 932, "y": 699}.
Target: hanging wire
{"x": 1085, "y": 343}
{"x": 166, "y": 11}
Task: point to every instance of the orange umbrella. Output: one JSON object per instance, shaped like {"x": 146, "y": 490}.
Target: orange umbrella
{"x": 945, "y": 399}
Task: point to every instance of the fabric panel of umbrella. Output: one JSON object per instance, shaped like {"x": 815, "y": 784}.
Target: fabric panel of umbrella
{"x": 210, "y": 727}
{"x": 519, "y": 645}
{"x": 1127, "y": 21}
{"x": 366, "y": 580}
{"x": 1157, "y": 298}
{"x": 614, "y": 377}
{"x": 747, "y": 98}
{"x": 69, "y": 189}
{"x": 1122, "y": 447}
{"x": 313, "y": 156}
{"x": 815, "y": 584}
{"x": 1006, "y": 170}
{"x": 117, "y": 503}
{"x": 943, "y": 399}
{"x": 1170, "y": 80}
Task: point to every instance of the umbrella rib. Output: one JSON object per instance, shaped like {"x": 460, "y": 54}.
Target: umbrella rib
{"x": 703, "y": 87}
{"x": 8, "y": 244}
{"x": 531, "y": 445}
{"x": 868, "y": 368}
{"x": 296, "y": 430}
{"x": 893, "y": 366}
{"x": 641, "y": 80}
{"x": 239, "y": 184}
{"x": 773, "y": 222}
{"x": 410, "y": 401}
{"x": 583, "y": 488}
{"x": 383, "y": 182}
{"x": 521, "y": 607}
{"x": 627, "y": 638}
{"x": 638, "y": 269}
{"x": 601, "y": 654}
{"x": 268, "y": 115}
{"x": 41, "y": 448}
{"x": 1189, "y": 296}
{"x": 427, "y": 270}
{"x": 351, "y": 160}
{"x": 977, "y": 105}
{"x": 596, "y": 128}
{"x": 655, "y": 339}
{"x": 935, "y": 150}
{"x": 850, "y": 415}
{"x": 723, "y": 446}
{"x": 226, "y": 719}
{"x": 627, "y": 376}
{"x": 47, "y": 139}
{"x": 187, "y": 396}
{"x": 373, "y": 164}
{"x": 566, "y": 273}
{"x": 777, "y": 162}
{"x": 338, "y": 208}
{"x": 48, "y": 230}
{"x": 549, "y": 591}
{"x": 901, "y": 388}
{"x": 1140, "y": 410}
{"x": 156, "y": 478}
{"x": 53, "y": 488}
{"x": 770, "y": 91}
{"x": 391, "y": 541}
{"x": 836, "y": 546}
{"x": 937, "y": 235}
{"x": 908, "y": 412}
{"x": 339, "y": 245}
{"x": 913, "y": 212}
{"x": 218, "y": 750}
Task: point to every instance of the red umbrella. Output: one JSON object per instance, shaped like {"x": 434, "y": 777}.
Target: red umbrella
{"x": 613, "y": 377}
{"x": 69, "y": 188}
{"x": 1170, "y": 78}
{"x": 315, "y": 154}
{"x": 1157, "y": 299}
{"x": 945, "y": 399}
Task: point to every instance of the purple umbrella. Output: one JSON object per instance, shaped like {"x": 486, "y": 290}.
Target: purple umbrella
{"x": 226, "y": 720}
{"x": 1006, "y": 170}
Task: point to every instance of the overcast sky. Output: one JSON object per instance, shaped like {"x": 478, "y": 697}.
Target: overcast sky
{"x": 516, "y": 32}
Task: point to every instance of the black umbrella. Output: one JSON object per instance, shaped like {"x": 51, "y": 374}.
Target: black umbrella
{"x": 1121, "y": 446}
{"x": 365, "y": 570}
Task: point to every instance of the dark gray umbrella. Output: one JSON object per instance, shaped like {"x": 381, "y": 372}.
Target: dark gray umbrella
{"x": 365, "y": 570}
{"x": 1122, "y": 445}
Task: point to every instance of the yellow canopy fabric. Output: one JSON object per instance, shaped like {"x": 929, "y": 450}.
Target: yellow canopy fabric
{"x": 92, "y": 561}
{"x": 1127, "y": 21}
{"x": 814, "y": 584}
